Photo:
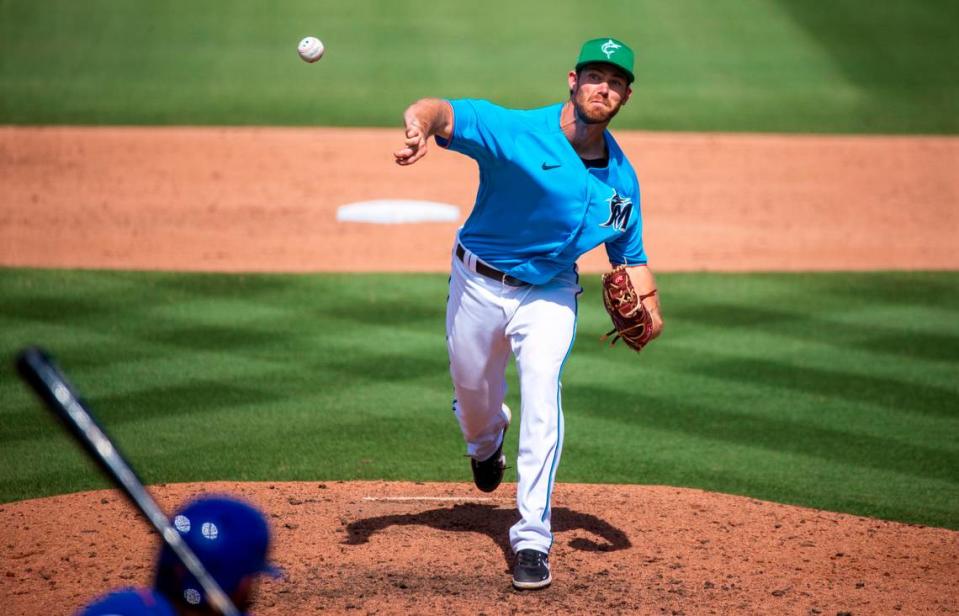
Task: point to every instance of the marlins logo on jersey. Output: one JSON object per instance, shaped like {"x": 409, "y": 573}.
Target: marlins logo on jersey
{"x": 619, "y": 210}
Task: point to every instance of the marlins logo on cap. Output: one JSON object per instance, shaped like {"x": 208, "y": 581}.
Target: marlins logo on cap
{"x": 608, "y": 51}
{"x": 610, "y": 47}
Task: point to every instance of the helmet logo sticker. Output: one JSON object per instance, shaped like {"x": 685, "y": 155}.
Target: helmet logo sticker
{"x": 182, "y": 523}
{"x": 192, "y": 596}
{"x": 210, "y": 531}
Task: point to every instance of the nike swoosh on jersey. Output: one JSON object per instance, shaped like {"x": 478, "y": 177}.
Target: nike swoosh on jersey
{"x": 547, "y": 167}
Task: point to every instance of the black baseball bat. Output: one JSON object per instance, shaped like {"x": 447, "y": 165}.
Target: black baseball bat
{"x": 41, "y": 373}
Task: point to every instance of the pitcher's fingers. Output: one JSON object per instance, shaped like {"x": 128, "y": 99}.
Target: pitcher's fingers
{"x": 412, "y": 158}
{"x": 404, "y": 152}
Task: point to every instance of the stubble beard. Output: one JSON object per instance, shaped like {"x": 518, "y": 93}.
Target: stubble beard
{"x": 587, "y": 116}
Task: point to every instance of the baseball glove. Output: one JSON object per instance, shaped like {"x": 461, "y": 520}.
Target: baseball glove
{"x": 631, "y": 320}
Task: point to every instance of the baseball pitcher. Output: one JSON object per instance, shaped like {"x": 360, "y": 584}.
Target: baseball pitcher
{"x": 554, "y": 184}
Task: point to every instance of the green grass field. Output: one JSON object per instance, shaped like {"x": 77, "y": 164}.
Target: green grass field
{"x": 837, "y": 391}
{"x": 852, "y": 66}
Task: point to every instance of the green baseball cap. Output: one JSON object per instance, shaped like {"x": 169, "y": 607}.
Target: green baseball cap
{"x": 608, "y": 51}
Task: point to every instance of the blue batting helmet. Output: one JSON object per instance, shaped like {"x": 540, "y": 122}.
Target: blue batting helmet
{"x": 231, "y": 539}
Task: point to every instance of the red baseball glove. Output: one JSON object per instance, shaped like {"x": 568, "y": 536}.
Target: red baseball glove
{"x": 631, "y": 320}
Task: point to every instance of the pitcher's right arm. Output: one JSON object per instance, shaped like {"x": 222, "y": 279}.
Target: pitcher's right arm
{"x": 423, "y": 119}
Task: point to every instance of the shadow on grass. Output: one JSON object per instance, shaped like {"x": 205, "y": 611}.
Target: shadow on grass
{"x": 495, "y": 523}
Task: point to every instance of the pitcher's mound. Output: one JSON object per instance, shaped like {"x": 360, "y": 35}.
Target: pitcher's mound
{"x": 425, "y": 548}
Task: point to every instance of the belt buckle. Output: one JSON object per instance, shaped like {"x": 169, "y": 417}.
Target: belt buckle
{"x": 512, "y": 281}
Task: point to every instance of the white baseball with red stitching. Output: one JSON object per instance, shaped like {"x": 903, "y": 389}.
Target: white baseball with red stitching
{"x": 311, "y": 49}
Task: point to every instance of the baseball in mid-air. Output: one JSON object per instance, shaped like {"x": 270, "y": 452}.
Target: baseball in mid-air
{"x": 310, "y": 49}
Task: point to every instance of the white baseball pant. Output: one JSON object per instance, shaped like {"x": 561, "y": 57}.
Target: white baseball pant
{"x": 486, "y": 320}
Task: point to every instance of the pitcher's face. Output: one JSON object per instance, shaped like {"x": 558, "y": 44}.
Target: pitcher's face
{"x": 598, "y": 92}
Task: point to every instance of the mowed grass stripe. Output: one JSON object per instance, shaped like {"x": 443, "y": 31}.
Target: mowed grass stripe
{"x": 811, "y": 389}
{"x": 698, "y": 449}
{"x": 841, "y": 443}
{"x": 728, "y": 65}
{"x": 752, "y": 398}
{"x": 675, "y": 456}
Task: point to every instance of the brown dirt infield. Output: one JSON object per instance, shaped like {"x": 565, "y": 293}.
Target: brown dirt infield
{"x": 405, "y": 548}
{"x": 262, "y": 199}
{"x": 265, "y": 200}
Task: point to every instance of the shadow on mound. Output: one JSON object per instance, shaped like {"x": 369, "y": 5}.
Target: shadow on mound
{"x": 494, "y": 522}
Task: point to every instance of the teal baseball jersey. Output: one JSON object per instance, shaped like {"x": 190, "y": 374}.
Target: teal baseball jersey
{"x": 539, "y": 208}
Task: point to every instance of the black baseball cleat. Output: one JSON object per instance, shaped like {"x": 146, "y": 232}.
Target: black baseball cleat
{"x": 531, "y": 570}
{"x": 488, "y": 474}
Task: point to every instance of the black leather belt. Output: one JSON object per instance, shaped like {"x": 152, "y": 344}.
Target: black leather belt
{"x": 489, "y": 272}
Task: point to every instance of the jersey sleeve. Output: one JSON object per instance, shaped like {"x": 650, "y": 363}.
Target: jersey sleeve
{"x": 627, "y": 248}
{"x": 481, "y": 130}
